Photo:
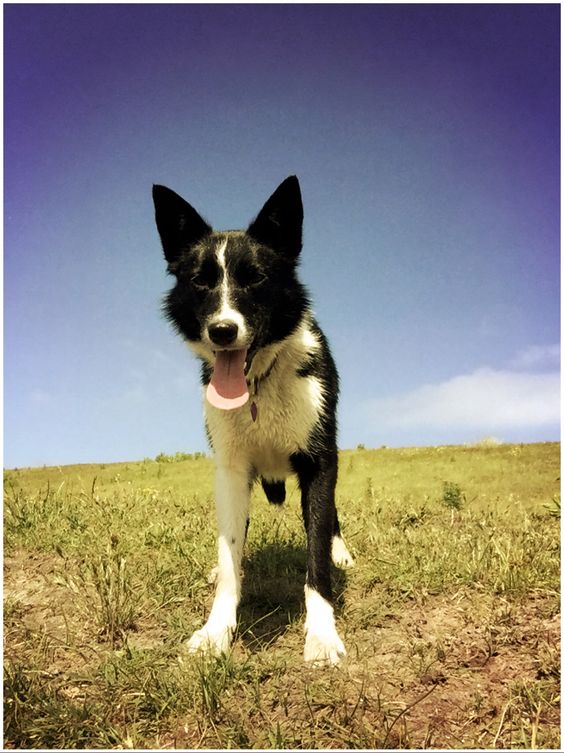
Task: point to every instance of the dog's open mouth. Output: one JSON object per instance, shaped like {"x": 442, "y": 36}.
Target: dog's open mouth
{"x": 228, "y": 387}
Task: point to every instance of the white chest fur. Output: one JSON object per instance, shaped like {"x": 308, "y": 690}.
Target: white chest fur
{"x": 288, "y": 406}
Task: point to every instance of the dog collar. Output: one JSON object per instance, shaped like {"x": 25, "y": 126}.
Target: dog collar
{"x": 256, "y": 382}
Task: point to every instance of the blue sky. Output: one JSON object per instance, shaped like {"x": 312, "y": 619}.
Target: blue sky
{"x": 426, "y": 140}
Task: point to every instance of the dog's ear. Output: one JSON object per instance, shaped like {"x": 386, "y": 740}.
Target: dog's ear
{"x": 279, "y": 223}
{"x": 178, "y": 223}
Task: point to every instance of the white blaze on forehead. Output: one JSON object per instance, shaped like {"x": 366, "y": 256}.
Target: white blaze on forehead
{"x": 220, "y": 252}
{"x": 220, "y": 255}
{"x": 226, "y": 310}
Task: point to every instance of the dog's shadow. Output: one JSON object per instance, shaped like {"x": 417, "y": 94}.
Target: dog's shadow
{"x": 273, "y": 592}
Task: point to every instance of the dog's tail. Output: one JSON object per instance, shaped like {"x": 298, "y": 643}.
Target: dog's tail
{"x": 275, "y": 491}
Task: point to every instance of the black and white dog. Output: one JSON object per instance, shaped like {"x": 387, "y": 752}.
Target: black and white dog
{"x": 270, "y": 397}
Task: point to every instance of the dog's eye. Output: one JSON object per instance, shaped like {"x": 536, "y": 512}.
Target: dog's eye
{"x": 200, "y": 281}
{"x": 248, "y": 276}
{"x": 206, "y": 277}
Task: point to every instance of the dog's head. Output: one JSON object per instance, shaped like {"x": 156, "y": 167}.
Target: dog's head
{"x": 236, "y": 291}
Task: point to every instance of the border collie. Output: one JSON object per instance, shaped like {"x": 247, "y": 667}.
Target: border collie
{"x": 270, "y": 393}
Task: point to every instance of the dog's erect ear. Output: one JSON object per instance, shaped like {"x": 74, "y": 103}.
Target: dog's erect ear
{"x": 279, "y": 223}
{"x": 179, "y": 225}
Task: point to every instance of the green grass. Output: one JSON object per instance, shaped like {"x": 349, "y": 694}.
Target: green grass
{"x": 450, "y": 616}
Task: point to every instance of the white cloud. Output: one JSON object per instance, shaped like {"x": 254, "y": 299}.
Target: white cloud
{"x": 484, "y": 400}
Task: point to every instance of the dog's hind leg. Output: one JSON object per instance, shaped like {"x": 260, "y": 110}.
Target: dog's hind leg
{"x": 275, "y": 491}
{"x": 317, "y": 478}
{"x": 232, "y": 507}
{"x": 339, "y": 553}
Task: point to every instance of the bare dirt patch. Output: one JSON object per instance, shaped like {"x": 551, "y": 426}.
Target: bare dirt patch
{"x": 471, "y": 671}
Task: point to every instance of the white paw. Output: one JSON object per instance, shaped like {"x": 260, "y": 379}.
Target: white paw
{"x": 211, "y": 640}
{"x": 340, "y": 554}
{"x": 322, "y": 650}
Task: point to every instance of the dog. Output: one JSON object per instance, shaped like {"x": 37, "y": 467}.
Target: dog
{"x": 271, "y": 389}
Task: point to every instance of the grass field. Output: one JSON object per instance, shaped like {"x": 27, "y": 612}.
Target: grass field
{"x": 450, "y": 616}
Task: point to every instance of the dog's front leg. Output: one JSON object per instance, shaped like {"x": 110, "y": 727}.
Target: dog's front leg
{"x": 318, "y": 477}
{"x": 232, "y": 492}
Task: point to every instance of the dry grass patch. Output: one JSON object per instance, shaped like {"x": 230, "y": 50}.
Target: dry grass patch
{"x": 450, "y": 617}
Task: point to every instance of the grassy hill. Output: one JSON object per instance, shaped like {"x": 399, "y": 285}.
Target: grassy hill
{"x": 450, "y": 616}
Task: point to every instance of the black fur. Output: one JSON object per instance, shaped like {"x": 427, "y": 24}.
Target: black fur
{"x": 275, "y": 491}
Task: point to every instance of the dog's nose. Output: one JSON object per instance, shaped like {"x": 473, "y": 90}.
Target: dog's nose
{"x": 223, "y": 333}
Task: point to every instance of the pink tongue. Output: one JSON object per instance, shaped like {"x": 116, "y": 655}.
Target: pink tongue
{"x": 228, "y": 388}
